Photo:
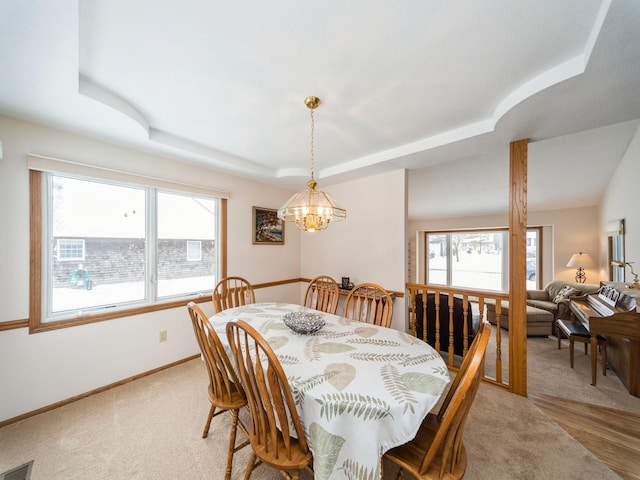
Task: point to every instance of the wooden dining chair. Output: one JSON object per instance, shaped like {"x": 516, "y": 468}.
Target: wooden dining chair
{"x": 437, "y": 451}
{"x": 232, "y": 292}
{"x": 322, "y": 294}
{"x": 369, "y": 302}
{"x": 484, "y": 330}
{"x": 225, "y": 391}
{"x": 273, "y": 410}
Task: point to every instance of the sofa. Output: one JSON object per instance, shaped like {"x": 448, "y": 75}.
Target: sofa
{"x": 544, "y": 307}
{"x": 549, "y": 299}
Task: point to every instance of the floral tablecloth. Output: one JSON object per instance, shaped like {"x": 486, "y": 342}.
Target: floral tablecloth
{"x": 360, "y": 389}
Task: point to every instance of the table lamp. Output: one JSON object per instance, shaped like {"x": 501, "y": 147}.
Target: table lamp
{"x": 580, "y": 261}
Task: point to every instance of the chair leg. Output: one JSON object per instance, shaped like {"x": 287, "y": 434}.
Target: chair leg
{"x": 232, "y": 443}
{"x": 250, "y": 466}
{"x": 212, "y": 411}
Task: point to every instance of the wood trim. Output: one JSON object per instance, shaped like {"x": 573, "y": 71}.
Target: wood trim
{"x": 90, "y": 393}
{"x": 45, "y": 327}
{"x": 101, "y": 317}
{"x": 518, "y": 266}
{"x": 276, "y": 283}
{"x": 35, "y": 249}
{"x": 12, "y": 324}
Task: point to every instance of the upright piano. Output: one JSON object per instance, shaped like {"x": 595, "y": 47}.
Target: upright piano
{"x": 612, "y": 313}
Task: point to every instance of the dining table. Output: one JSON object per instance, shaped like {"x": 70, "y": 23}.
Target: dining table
{"x": 360, "y": 389}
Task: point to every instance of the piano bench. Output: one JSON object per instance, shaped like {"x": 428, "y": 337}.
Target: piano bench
{"x": 577, "y": 332}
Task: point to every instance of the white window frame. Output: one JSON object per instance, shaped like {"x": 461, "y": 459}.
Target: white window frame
{"x": 60, "y": 248}
{"x": 505, "y": 254}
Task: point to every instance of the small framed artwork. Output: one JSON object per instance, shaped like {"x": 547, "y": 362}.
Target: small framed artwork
{"x": 268, "y": 229}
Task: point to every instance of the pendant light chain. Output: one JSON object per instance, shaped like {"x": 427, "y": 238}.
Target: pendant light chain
{"x": 313, "y": 156}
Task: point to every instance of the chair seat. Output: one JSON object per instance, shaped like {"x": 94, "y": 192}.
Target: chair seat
{"x": 409, "y": 455}
{"x": 298, "y": 461}
{"x": 222, "y": 401}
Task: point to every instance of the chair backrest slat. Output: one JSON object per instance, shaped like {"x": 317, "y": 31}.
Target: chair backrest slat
{"x": 466, "y": 361}
{"x": 232, "y": 292}
{"x": 371, "y": 303}
{"x": 271, "y": 403}
{"x": 225, "y": 385}
{"x": 448, "y": 438}
{"x": 322, "y": 294}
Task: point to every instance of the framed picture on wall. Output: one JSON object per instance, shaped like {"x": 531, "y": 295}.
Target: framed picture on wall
{"x": 268, "y": 229}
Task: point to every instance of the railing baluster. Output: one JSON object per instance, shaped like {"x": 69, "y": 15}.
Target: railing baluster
{"x": 474, "y": 302}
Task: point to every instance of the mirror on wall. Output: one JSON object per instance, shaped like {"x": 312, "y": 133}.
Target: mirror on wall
{"x": 615, "y": 240}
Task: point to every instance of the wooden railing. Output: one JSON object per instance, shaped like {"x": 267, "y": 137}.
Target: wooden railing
{"x": 474, "y": 311}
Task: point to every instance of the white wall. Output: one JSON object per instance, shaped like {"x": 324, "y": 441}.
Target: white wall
{"x": 620, "y": 201}
{"x": 574, "y": 230}
{"x": 41, "y": 369}
{"x": 370, "y": 245}
{"x": 565, "y": 232}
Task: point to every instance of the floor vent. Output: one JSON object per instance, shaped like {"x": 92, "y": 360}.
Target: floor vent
{"x": 23, "y": 472}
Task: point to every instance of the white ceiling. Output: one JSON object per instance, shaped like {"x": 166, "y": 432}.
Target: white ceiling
{"x": 438, "y": 87}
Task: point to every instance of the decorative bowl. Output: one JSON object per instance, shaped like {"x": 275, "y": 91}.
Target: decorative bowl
{"x": 303, "y": 322}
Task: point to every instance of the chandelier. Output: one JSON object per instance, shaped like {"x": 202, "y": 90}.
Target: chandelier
{"x": 311, "y": 209}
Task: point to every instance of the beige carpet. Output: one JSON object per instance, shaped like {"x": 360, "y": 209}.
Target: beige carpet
{"x": 548, "y": 372}
{"x": 150, "y": 429}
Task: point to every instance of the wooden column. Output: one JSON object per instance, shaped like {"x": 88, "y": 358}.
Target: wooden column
{"x": 517, "y": 265}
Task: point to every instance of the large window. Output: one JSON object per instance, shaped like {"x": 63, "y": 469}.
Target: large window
{"x": 476, "y": 259}
{"x": 111, "y": 246}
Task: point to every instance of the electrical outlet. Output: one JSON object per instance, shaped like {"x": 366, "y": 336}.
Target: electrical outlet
{"x": 163, "y": 335}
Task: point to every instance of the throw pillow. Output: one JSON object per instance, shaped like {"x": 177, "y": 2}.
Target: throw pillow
{"x": 565, "y": 293}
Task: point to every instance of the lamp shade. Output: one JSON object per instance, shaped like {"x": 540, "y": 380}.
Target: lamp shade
{"x": 312, "y": 210}
{"x": 580, "y": 260}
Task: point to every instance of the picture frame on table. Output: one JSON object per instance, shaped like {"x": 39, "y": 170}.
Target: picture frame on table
{"x": 267, "y": 229}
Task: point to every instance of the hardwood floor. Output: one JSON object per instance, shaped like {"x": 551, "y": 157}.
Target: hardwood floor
{"x": 611, "y": 435}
